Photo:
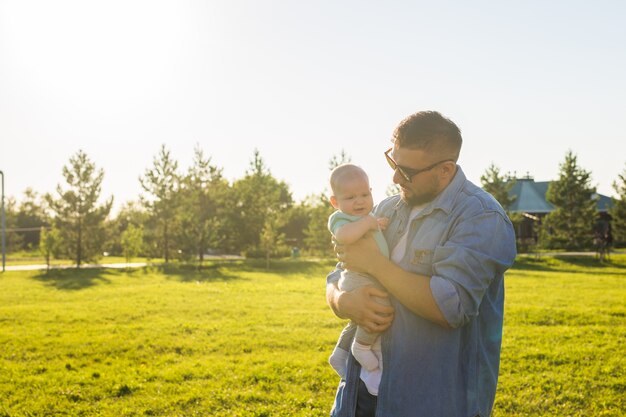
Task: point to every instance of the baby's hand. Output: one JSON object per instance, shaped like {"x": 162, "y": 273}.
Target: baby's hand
{"x": 382, "y": 222}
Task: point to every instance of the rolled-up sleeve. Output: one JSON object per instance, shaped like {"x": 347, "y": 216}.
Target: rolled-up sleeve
{"x": 478, "y": 251}
{"x": 448, "y": 300}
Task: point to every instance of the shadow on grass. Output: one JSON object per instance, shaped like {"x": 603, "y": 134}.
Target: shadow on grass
{"x": 591, "y": 261}
{"x": 209, "y": 272}
{"x": 569, "y": 263}
{"x": 73, "y": 279}
{"x": 232, "y": 269}
{"x": 308, "y": 268}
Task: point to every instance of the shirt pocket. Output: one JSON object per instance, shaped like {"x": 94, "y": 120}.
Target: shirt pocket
{"x": 421, "y": 261}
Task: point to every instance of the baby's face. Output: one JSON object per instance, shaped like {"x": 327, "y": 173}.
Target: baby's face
{"x": 354, "y": 196}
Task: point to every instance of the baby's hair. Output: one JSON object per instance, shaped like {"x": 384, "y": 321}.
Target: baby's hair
{"x": 343, "y": 172}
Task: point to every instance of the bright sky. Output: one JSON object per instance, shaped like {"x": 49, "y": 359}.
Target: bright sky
{"x": 300, "y": 81}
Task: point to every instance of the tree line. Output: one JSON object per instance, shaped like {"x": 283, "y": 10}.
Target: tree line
{"x": 187, "y": 214}
{"x": 575, "y": 223}
{"x": 181, "y": 214}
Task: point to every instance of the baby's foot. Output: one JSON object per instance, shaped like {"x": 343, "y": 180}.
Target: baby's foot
{"x": 364, "y": 355}
{"x": 338, "y": 360}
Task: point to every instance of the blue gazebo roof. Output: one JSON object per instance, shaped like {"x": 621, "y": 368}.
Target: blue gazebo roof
{"x": 530, "y": 197}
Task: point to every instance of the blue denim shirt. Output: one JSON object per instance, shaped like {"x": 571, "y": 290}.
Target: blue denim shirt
{"x": 465, "y": 242}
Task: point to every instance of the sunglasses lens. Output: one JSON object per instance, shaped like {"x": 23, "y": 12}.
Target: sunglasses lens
{"x": 395, "y": 167}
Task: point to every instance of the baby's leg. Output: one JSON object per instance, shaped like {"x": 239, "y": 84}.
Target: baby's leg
{"x": 362, "y": 345}
{"x": 362, "y": 349}
{"x": 339, "y": 358}
{"x": 339, "y": 361}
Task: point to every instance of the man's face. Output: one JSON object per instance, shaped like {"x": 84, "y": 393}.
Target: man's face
{"x": 423, "y": 187}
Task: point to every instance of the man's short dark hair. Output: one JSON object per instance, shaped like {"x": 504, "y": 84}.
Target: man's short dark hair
{"x": 430, "y": 131}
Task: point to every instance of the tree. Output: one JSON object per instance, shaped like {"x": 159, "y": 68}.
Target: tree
{"x": 14, "y": 239}
{"x": 571, "y": 223}
{"x": 271, "y": 239}
{"x": 296, "y": 222}
{"x": 49, "y": 243}
{"x": 618, "y": 211}
{"x": 31, "y": 216}
{"x": 132, "y": 242}
{"x": 77, "y": 215}
{"x": 392, "y": 189}
{"x": 257, "y": 196}
{"x": 318, "y": 240}
{"x": 202, "y": 208}
{"x": 336, "y": 160}
{"x": 498, "y": 186}
{"x": 131, "y": 213}
{"x": 161, "y": 183}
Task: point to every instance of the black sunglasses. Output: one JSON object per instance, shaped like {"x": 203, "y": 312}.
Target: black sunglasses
{"x": 409, "y": 173}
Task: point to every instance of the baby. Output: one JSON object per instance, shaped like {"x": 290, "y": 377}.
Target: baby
{"x": 352, "y": 197}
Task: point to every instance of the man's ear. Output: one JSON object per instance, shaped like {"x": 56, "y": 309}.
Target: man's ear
{"x": 333, "y": 202}
{"x": 449, "y": 169}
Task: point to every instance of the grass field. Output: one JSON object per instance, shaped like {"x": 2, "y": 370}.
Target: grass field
{"x": 235, "y": 340}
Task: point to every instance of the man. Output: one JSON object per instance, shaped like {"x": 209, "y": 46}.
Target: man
{"x": 451, "y": 243}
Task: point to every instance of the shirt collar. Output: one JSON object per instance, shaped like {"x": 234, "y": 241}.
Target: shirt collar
{"x": 445, "y": 200}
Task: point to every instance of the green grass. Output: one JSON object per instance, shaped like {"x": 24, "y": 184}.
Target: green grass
{"x": 564, "y": 338}
{"x": 235, "y": 340}
{"x": 231, "y": 339}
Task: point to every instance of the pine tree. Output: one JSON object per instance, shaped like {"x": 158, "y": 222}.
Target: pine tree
{"x": 498, "y": 186}
{"x": 258, "y": 195}
{"x": 202, "y": 208}
{"x": 336, "y": 160}
{"x": 618, "y": 211}
{"x": 570, "y": 225}
{"x": 78, "y": 217}
{"x": 161, "y": 183}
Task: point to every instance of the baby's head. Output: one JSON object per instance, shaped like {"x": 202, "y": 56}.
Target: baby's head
{"x": 351, "y": 192}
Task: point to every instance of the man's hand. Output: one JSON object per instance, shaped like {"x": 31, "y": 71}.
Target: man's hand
{"x": 383, "y": 222}
{"x": 359, "y": 256}
{"x": 360, "y": 306}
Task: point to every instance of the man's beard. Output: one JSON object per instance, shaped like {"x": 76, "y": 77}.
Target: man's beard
{"x": 418, "y": 200}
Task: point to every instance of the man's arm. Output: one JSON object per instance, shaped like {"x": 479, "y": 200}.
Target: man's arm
{"x": 359, "y": 306}
{"x": 478, "y": 251}
{"x": 412, "y": 290}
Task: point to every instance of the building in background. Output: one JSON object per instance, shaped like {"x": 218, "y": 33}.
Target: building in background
{"x": 530, "y": 201}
